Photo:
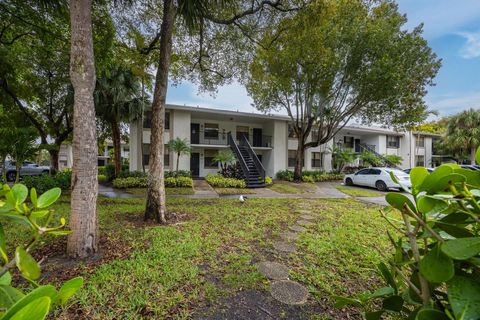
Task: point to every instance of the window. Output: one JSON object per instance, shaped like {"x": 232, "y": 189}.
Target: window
{"x": 146, "y": 155}
{"x": 147, "y": 120}
{"x": 316, "y": 160}
{"x": 314, "y": 133}
{"x": 209, "y": 154}
{"x": 211, "y": 131}
{"x": 420, "y": 161}
{"x": 375, "y": 172}
{"x": 420, "y": 142}
{"x": 362, "y": 172}
{"x": 292, "y": 156}
{"x": 291, "y": 131}
{"x": 348, "y": 142}
{"x": 393, "y": 141}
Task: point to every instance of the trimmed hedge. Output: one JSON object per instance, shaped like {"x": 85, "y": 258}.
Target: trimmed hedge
{"x": 142, "y": 182}
{"x": 219, "y": 181}
{"x": 45, "y": 182}
{"x": 310, "y": 176}
{"x": 268, "y": 180}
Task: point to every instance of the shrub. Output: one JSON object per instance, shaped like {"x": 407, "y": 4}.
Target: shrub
{"x": 178, "y": 182}
{"x": 101, "y": 170}
{"x": 394, "y": 159}
{"x": 130, "y": 182}
{"x": 219, "y": 181}
{"x": 434, "y": 269}
{"x": 285, "y": 175}
{"x": 179, "y": 173}
{"x": 132, "y": 174}
{"x": 35, "y": 217}
{"x": 44, "y": 182}
{"x": 233, "y": 171}
{"x": 268, "y": 180}
{"x": 307, "y": 178}
{"x": 102, "y": 178}
{"x": 369, "y": 158}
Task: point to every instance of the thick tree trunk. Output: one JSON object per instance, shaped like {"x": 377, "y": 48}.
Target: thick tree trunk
{"x": 473, "y": 152}
{"x": 299, "y": 160}
{"x": 178, "y": 160}
{"x": 117, "y": 155}
{"x": 156, "y": 189}
{"x": 82, "y": 242}
{"x": 54, "y": 159}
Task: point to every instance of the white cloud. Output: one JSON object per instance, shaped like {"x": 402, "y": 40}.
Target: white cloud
{"x": 471, "y": 49}
{"x": 455, "y": 103}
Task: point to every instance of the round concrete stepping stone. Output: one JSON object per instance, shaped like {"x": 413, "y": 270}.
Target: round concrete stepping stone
{"x": 273, "y": 270}
{"x": 289, "y": 235}
{"x": 297, "y": 228}
{"x": 285, "y": 247}
{"x": 307, "y": 217}
{"x": 289, "y": 292}
{"x": 305, "y": 223}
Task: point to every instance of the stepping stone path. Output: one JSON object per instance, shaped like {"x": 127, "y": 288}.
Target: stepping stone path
{"x": 297, "y": 228}
{"x": 305, "y": 223}
{"x": 289, "y": 235}
{"x": 285, "y": 247}
{"x": 273, "y": 270}
{"x": 289, "y": 292}
{"x": 282, "y": 289}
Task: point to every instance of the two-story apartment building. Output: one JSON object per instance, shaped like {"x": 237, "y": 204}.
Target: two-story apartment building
{"x": 270, "y": 138}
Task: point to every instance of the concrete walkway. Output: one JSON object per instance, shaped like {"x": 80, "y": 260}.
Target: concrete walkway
{"x": 110, "y": 192}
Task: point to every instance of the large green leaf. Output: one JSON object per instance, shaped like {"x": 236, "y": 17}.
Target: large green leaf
{"x": 35, "y": 310}
{"x": 436, "y": 266}
{"x": 393, "y": 303}
{"x": 68, "y": 289}
{"x": 8, "y": 296}
{"x": 453, "y": 230}
{"x": 431, "y": 314}
{"x": 374, "y": 315}
{"x": 417, "y": 175}
{"x": 3, "y": 245}
{"x": 432, "y": 179}
{"x": 33, "y": 197}
{"x": 27, "y": 264}
{"x": 49, "y": 197}
{"x": 473, "y": 177}
{"x": 462, "y": 249}
{"x": 444, "y": 182}
{"x": 43, "y": 291}
{"x": 464, "y": 297}
{"x": 341, "y": 302}
{"x": 20, "y": 193}
{"x": 430, "y": 205}
{"x": 398, "y": 201}
{"x": 6, "y": 279}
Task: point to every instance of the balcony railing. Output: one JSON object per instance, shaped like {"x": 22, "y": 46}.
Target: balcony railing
{"x": 221, "y": 139}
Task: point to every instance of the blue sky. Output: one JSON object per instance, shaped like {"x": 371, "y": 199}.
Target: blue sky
{"x": 452, "y": 28}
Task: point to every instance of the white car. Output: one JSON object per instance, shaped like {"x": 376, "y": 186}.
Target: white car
{"x": 378, "y": 178}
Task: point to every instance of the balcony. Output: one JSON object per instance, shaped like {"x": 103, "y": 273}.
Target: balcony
{"x": 200, "y": 138}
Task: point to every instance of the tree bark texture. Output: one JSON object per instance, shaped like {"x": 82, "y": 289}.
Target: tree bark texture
{"x": 82, "y": 242}
{"x": 473, "y": 151}
{"x": 117, "y": 156}
{"x": 299, "y": 159}
{"x": 156, "y": 206}
{"x": 54, "y": 160}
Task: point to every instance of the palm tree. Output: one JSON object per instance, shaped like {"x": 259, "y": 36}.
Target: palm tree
{"x": 224, "y": 157}
{"x": 341, "y": 156}
{"x": 463, "y": 132}
{"x": 118, "y": 99}
{"x": 82, "y": 241}
{"x": 180, "y": 147}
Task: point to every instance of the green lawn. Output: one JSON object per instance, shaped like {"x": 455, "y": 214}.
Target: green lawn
{"x": 357, "y": 192}
{"x": 230, "y": 191}
{"x": 212, "y": 250}
{"x": 286, "y": 188}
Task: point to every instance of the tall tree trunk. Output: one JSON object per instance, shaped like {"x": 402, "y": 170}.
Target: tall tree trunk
{"x": 82, "y": 242}
{"x": 156, "y": 189}
{"x": 299, "y": 160}
{"x": 54, "y": 159}
{"x": 117, "y": 155}
{"x": 178, "y": 160}
{"x": 473, "y": 151}
{"x": 18, "y": 167}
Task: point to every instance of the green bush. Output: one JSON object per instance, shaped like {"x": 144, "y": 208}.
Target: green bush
{"x": 306, "y": 178}
{"x": 179, "y": 182}
{"x": 433, "y": 271}
{"x": 179, "y": 173}
{"x": 102, "y": 178}
{"x": 109, "y": 171}
{"x": 285, "y": 175}
{"x": 130, "y": 182}
{"x": 44, "y": 182}
{"x": 268, "y": 180}
{"x": 101, "y": 170}
{"x": 36, "y": 218}
{"x": 132, "y": 174}
{"x": 219, "y": 181}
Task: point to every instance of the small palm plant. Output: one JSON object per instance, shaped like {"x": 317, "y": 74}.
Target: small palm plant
{"x": 224, "y": 157}
{"x": 180, "y": 147}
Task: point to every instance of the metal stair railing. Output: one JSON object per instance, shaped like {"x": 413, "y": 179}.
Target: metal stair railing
{"x": 243, "y": 164}
{"x": 258, "y": 164}
{"x": 387, "y": 162}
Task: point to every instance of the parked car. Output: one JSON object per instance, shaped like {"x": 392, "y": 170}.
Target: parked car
{"x": 430, "y": 170}
{"x": 27, "y": 169}
{"x": 378, "y": 178}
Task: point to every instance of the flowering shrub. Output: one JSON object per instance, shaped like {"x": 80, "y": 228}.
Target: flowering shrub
{"x": 219, "y": 181}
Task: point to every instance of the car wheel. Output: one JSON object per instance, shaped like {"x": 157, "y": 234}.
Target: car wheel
{"x": 11, "y": 176}
{"x": 349, "y": 182}
{"x": 381, "y": 186}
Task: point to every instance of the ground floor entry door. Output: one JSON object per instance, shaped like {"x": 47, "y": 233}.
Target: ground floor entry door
{"x": 195, "y": 164}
